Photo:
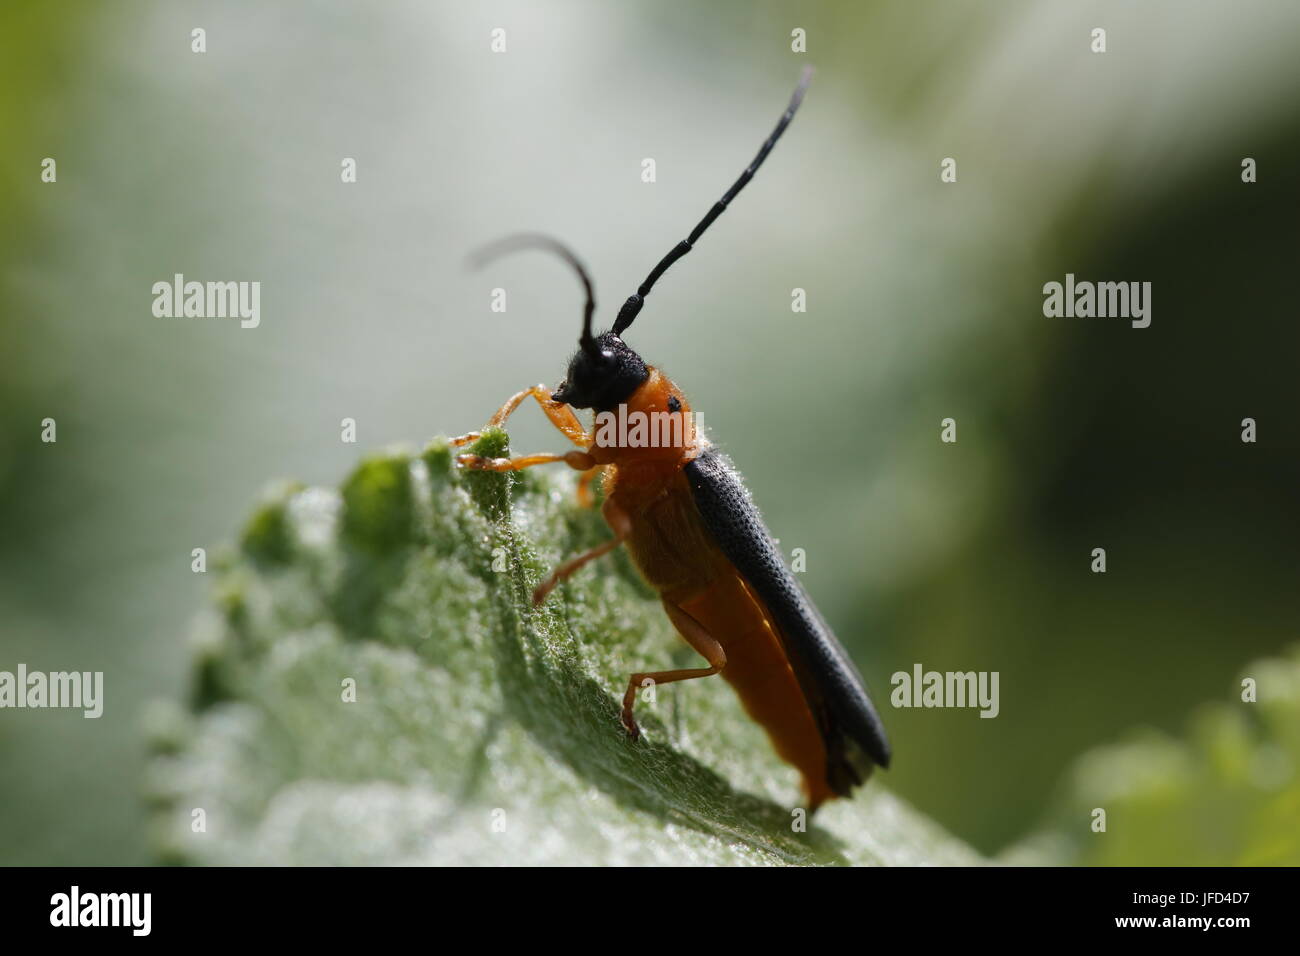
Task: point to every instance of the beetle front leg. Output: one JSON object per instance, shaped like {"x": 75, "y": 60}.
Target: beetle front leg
{"x": 561, "y": 416}
{"x": 574, "y": 459}
{"x": 564, "y": 420}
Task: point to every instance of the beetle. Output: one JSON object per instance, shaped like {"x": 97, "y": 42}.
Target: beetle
{"x": 687, "y": 519}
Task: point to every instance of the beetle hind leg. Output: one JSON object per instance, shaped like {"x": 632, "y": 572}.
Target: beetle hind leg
{"x": 704, "y": 643}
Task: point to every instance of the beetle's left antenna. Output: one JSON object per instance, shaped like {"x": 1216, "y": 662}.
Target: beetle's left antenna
{"x": 634, "y": 302}
{"x": 529, "y": 240}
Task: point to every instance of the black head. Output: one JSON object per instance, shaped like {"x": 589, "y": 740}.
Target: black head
{"x": 603, "y": 373}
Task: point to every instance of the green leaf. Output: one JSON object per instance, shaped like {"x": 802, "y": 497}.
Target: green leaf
{"x": 483, "y": 730}
{"x": 1227, "y": 795}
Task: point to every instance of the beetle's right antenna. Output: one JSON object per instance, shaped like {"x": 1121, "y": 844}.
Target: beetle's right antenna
{"x": 529, "y": 240}
{"x": 633, "y": 305}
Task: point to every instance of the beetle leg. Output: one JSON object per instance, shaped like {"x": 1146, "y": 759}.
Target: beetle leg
{"x": 586, "y": 497}
{"x": 561, "y": 416}
{"x": 574, "y": 459}
{"x": 705, "y": 644}
{"x": 618, "y": 520}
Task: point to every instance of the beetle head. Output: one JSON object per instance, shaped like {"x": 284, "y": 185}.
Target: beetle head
{"x": 603, "y": 373}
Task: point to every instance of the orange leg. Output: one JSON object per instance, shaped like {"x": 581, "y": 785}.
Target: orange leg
{"x": 618, "y": 520}
{"x": 574, "y": 459}
{"x": 561, "y": 416}
{"x": 586, "y": 497}
{"x": 696, "y": 636}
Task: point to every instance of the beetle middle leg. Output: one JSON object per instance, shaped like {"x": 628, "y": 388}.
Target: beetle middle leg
{"x": 617, "y": 519}
{"x": 586, "y": 497}
{"x": 705, "y": 644}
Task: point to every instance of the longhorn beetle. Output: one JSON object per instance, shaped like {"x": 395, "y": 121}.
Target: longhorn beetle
{"x": 695, "y": 535}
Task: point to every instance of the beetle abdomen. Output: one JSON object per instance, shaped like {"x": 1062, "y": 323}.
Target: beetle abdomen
{"x": 834, "y": 691}
{"x": 760, "y": 673}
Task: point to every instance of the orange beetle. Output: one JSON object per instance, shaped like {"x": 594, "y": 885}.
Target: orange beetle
{"x": 692, "y": 530}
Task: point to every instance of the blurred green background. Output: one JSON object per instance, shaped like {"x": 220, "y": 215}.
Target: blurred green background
{"x": 924, "y": 302}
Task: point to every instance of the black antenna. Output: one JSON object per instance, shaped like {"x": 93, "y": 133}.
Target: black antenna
{"x": 633, "y": 305}
{"x": 530, "y": 240}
